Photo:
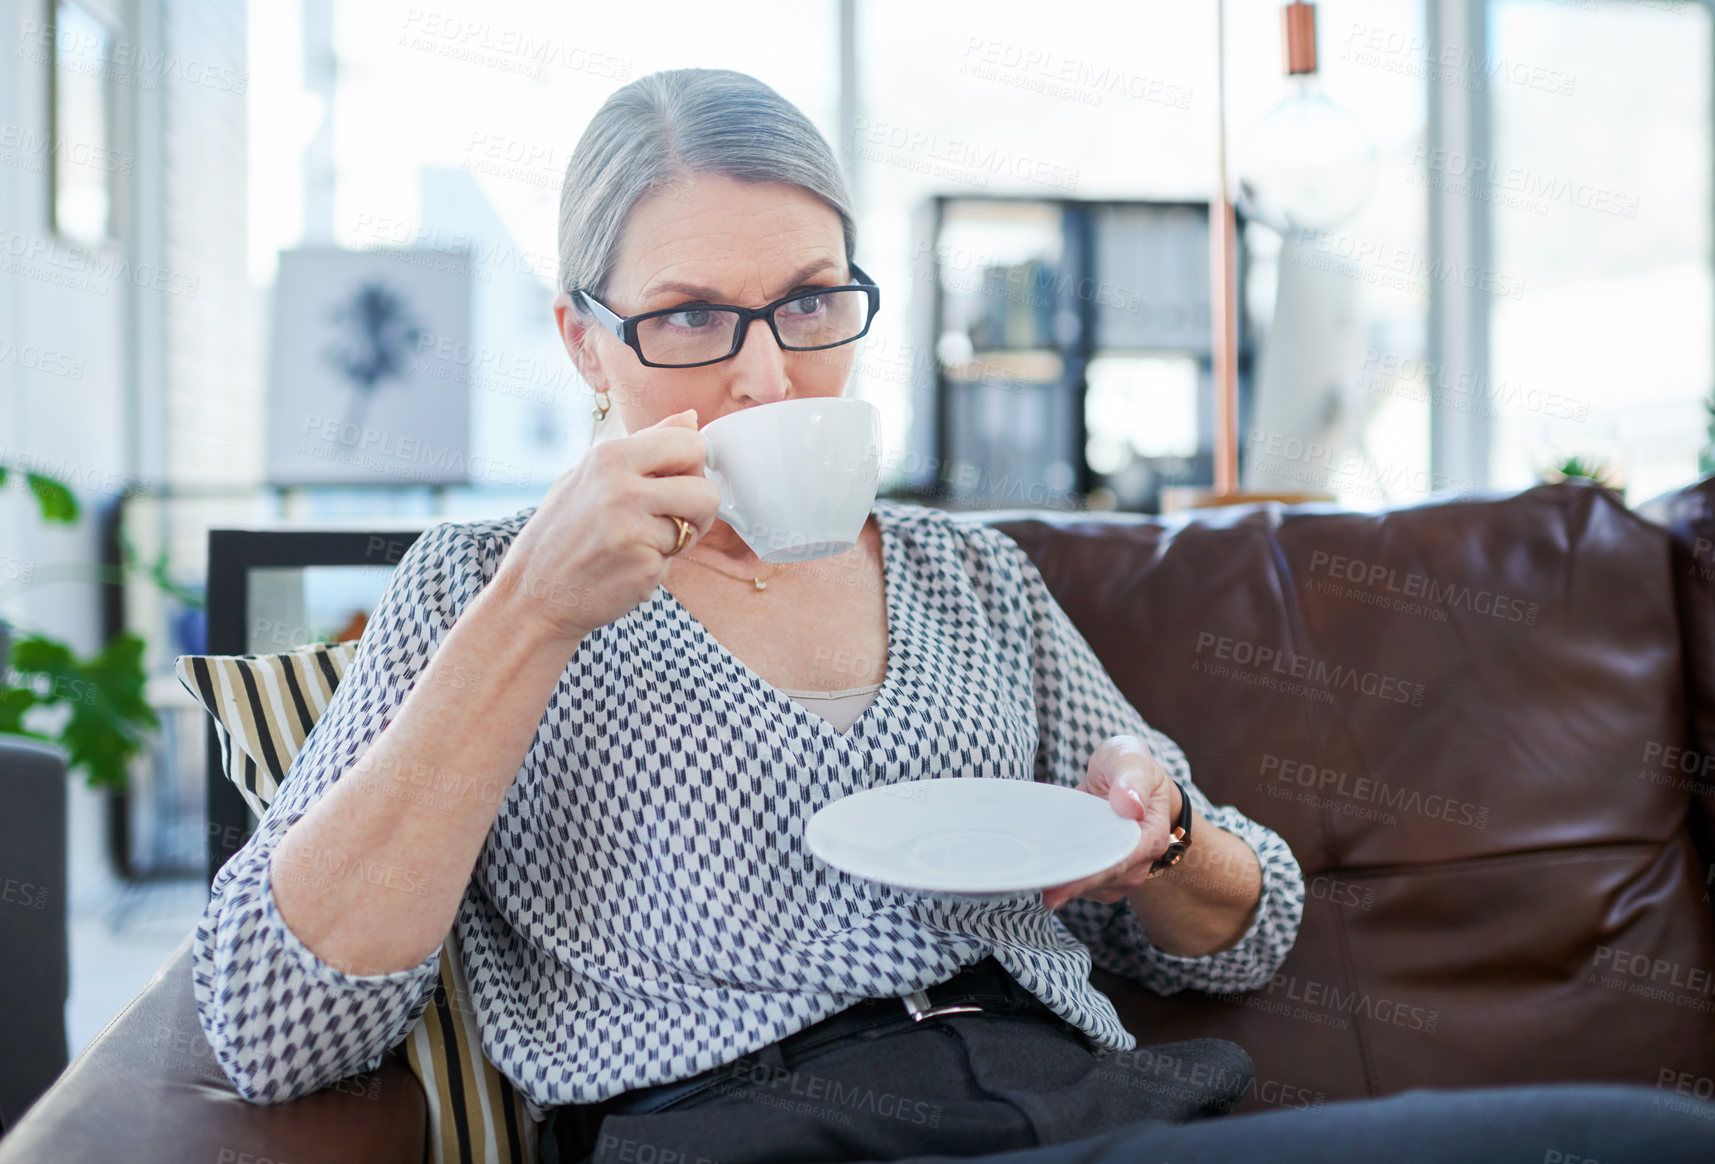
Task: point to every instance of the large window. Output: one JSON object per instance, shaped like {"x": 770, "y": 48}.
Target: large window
{"x": 1599, "y": 197}
{"x": 85, "y": 162}
{"x": 975, "y": 99}
{"x": 1595, "y": 179}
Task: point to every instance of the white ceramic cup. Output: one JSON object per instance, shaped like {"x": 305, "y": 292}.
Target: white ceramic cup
{"x": 797, "y": 477}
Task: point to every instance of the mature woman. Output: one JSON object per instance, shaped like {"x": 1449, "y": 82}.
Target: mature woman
{"x": 630, "y": 719}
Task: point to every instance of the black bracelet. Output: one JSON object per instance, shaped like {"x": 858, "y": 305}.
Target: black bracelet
{"x": 1181, "y": 835}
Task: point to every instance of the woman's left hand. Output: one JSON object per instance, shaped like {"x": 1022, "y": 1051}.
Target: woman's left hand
{"x": 1126, "y": 774}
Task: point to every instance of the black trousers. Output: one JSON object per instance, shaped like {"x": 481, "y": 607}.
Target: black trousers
{"x": 1020, "y": 1089}
{"x": 958, "y": 1084}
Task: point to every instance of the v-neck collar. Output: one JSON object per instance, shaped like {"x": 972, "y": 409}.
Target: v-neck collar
{"x": 892, "y": 598}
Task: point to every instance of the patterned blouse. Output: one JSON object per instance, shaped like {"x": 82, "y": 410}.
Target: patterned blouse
{"x": 644, "y": 907}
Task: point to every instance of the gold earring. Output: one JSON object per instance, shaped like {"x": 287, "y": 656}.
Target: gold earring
{"x": 603, "y": 403}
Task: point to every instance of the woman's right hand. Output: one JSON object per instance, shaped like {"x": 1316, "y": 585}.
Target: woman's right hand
{"x": 599, "y": 542}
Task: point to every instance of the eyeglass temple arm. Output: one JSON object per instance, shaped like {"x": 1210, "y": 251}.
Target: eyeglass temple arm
{"x": 604, "y": 317}
{"x": 862, "y": 276}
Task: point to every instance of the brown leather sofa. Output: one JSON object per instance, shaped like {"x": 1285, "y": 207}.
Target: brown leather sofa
{"x": 1484, "y": 727}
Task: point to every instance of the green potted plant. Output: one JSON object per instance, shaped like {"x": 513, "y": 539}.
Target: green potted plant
{"x": 106, "y": 720}
{"x": 1578, "y": 468}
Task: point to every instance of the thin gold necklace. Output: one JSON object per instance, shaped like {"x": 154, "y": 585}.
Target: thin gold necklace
{"x": 760, "y": 583}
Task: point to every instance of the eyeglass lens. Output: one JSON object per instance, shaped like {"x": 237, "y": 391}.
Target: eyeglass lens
{"x": 696, "y": 334}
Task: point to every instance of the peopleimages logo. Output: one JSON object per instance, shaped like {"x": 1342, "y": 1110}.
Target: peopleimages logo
{"x": 818, "y": 1089}
{"x": 1378, "y": 261}
{"x": 1328, "y": 787}
{"x": 333, "y": 868}
{"x": 122, "y": 62}
{"x": 33, "y": 146}
{"x": 1044, "y": 71}
{"x": 1150, "y": 1069}
{"x": 1415, "y": 55}
{"x": 1685, "y": 769}
{"x": 1306, "y": 667}
{"x": 1337, "y": 892}
{"x": 34, "y": 359}
{"x": 31, "y": 256}
{"x": 24, "y": 894}
{"x": 995, "y": 277}
{"x": 1386, "y": 580}
{"x": 384, "y": 451}
{"x": 1656, "y": 979}
{"x": 1331, "y": 999}
{"x": 919, "y": 149}
{"x": 1348, "y": 470}
{"x": 1684, "y": 1082}
{"x": 1703, "y": 549}
{"x": 1481, "y": 175}
{"x": 1461, "y": 390}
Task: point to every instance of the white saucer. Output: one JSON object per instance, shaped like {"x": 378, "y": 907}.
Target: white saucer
{"x": 969, "y": 836}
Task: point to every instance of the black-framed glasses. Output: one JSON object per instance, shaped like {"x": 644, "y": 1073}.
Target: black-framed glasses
{"x": 694, "y": 334}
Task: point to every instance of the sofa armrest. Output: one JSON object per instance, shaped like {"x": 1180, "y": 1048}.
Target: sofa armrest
{"x": 33, "y": 969}
{"x": 148, "y": 1089}
{"x": 1688, "y": 515}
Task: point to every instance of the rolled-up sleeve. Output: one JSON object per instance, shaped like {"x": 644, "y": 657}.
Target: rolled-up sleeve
{"x": 282, "y": 1022}
{"x": 1079, "y": 708}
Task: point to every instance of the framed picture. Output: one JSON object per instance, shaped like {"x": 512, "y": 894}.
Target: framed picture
{"x": 368, "y": 377}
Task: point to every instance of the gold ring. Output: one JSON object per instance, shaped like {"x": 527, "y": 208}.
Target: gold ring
{"x": 684, "y": 532}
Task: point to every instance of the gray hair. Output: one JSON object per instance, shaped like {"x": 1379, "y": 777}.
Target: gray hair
{"x": 659, "y": 131}
{"x": 655, "y": 135}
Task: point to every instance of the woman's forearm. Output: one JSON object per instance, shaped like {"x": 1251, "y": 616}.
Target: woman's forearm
{"x": 370, "y": 878}
{"x": 1205, "y": 903}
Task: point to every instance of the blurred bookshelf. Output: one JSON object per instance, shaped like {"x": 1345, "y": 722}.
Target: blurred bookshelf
{"x": 1071, "y": 354}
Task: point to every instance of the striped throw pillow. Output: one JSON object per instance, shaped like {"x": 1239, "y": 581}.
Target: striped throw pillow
{"x": 263, "y": 708}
